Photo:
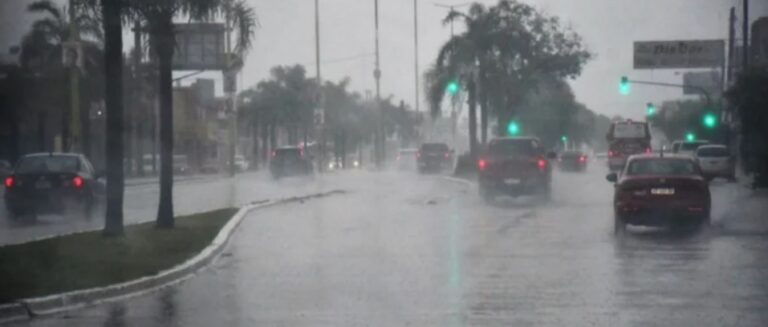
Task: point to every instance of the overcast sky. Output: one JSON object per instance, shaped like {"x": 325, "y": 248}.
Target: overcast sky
{"x": 609, "y": 27}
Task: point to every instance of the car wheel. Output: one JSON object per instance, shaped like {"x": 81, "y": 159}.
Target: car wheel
{"x": 619, "y": 225}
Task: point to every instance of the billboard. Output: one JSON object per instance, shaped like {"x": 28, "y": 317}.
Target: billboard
{"x": 679, "y": 54}
{"x": 199, "y": 46}
{"x": 710, "y": 81}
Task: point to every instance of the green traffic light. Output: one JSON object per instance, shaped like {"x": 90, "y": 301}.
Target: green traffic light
{"x": 564, "y": 138}
{"x": 513, "y": 128}
{"x": 452, "y": 87}
{"x": 690, "y": 137}
{"x": 624, "y": 85}
{"x": 650, "y": 109}
{"x": 709, "y": 120}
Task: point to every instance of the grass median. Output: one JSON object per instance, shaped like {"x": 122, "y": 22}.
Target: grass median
{"x": 88, "y": 259}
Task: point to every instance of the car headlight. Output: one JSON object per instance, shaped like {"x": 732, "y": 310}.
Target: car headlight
{"x": 356, "y": 163}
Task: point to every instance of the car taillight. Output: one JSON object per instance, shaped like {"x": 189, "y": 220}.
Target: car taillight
{"x": 648, "y": 150}
{"x": 274, "y": 153}
{"x": 77, "y": 181}
{"x": 447, "y": 156}
{"x": 9, "y": 181}
{"x": 541, "y": 163}
{"x": 583, "y": 158}
{"x": 418, "y": 155}
{"x": 611, "y": 154}
{"x": 482, "y": 164}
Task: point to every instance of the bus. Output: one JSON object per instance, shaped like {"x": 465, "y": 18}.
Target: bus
{"x": 626, "y": 138}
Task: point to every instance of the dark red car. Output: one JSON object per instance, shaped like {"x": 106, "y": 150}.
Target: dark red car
{"x": 660, "y": 190}
{"x": 514, "y": 166}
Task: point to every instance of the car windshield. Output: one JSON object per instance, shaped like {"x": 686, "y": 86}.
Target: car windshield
{"x": 661, "y": 167}
{"x": 384, "y": 163}
{"x": 288, "y": 154}
{"x": 690, "y": 146}
{"x": 712, "y": 152}
{"x": 512, "y": 147}
{"x": 434, "y": 148}
{"x": 48, "y": 164}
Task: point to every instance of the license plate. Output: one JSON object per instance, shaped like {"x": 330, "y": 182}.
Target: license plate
{"x": 43, "y": 185}
{"x": 512, "y": 181}
{"x": 662, "y": 191}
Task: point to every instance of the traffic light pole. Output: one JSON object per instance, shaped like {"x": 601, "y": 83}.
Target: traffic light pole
{"x": 681, "y": 86}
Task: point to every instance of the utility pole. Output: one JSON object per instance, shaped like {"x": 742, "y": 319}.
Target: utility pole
{"x": 731, "y": 44}
{"x": 745, "y": 35}
{"x": 380, "y": 139}
{"x": 416, "y": 50}
{"x": 320, "y": 96}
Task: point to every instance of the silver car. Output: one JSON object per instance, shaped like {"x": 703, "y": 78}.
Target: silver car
{"x": 716, "y": 161}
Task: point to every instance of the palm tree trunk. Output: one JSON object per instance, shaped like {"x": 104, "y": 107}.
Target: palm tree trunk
{"x": 113, "y": 66}
{"x": 472, "y": 100}
{"x": 483, "y": 95}
{"x": 165, "y": 55}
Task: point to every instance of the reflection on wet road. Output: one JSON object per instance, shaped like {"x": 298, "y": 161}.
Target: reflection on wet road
{"x": 408, "y": 250}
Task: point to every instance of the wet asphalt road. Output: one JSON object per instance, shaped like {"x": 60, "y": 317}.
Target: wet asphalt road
{"x": 408, "y": 250}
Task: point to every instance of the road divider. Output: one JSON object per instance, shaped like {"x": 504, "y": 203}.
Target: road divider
{"x": 51, "y": 304}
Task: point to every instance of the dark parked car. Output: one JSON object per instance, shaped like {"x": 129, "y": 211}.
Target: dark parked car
{"x": 289, "y": 161}
{"x": 434, "y": 157}
{"x": 52, "y": 183}
{"x": 514, "y": 166}
{"x": 656, "y": 190}
{"x": 5, "y": 168}
{"x": 573, "y": 161}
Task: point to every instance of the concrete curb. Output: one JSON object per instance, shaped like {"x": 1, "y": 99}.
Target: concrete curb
{"x": 28, "y": 308}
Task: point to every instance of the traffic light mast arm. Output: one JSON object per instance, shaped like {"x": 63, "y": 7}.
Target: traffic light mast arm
{"x": 698, "y": 88}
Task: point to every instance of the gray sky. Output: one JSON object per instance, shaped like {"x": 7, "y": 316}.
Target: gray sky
{"x": 608, "y": 27}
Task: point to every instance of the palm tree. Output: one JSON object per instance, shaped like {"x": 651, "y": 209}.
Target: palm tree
{"x": 158, "y": 15}
{"x": 42, "y": 48}
{"x": 113, "y": 67}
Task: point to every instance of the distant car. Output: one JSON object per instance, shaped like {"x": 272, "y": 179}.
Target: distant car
{"x": 434, "y": 157}
{"x": 656, "y": 190}
{"x": 573, "y": 161}
{"x": 289, "y": 161}
{"x": 210, "y": 167}
{"x": 5, "y": 168}
{"x": 351, "y": 161}
{"x": 181, "y": 164}
{"x": 514, "y": 166}
{"x": 716, "y": 161}
{"x": 688, "y": 148}
{"x": 52, "y": 183}
{"x": 406, "y": 159}
{"x": 241, "y": 164}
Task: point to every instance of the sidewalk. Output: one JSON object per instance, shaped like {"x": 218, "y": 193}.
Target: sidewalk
{"x": 737, "y": 208}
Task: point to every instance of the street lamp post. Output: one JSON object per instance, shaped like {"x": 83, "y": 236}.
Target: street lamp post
{"x": 380, "y": 142}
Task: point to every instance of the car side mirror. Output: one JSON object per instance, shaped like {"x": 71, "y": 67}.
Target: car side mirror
{"x": 551, "y": 155}
{"x": 612, "y": 177}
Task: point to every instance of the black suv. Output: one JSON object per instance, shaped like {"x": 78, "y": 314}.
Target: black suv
{"x": 289, "y": 161}
{"x": 514, "y": 166}
{"x": 434, "y": 157}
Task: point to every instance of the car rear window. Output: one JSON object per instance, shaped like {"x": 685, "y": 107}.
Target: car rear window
{"x": 571, "y": 154}
{"x": 288, "y": 154}
{"x": 513, "y": 147}
{"x": 661, "y": 167}
{"x": 713, "y": 152}
{"x": 48, "y": 164}
{"x": 434, "y": 147}
{"x": 691, "y": 146}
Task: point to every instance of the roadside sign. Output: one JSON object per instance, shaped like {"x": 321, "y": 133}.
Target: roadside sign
{"x": 679, "y": 54}
{"x": 710, "y": 81}
{"x": 199, "y": 46}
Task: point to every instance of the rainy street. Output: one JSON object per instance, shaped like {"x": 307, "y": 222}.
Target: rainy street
{"x": 401, "y": 249}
